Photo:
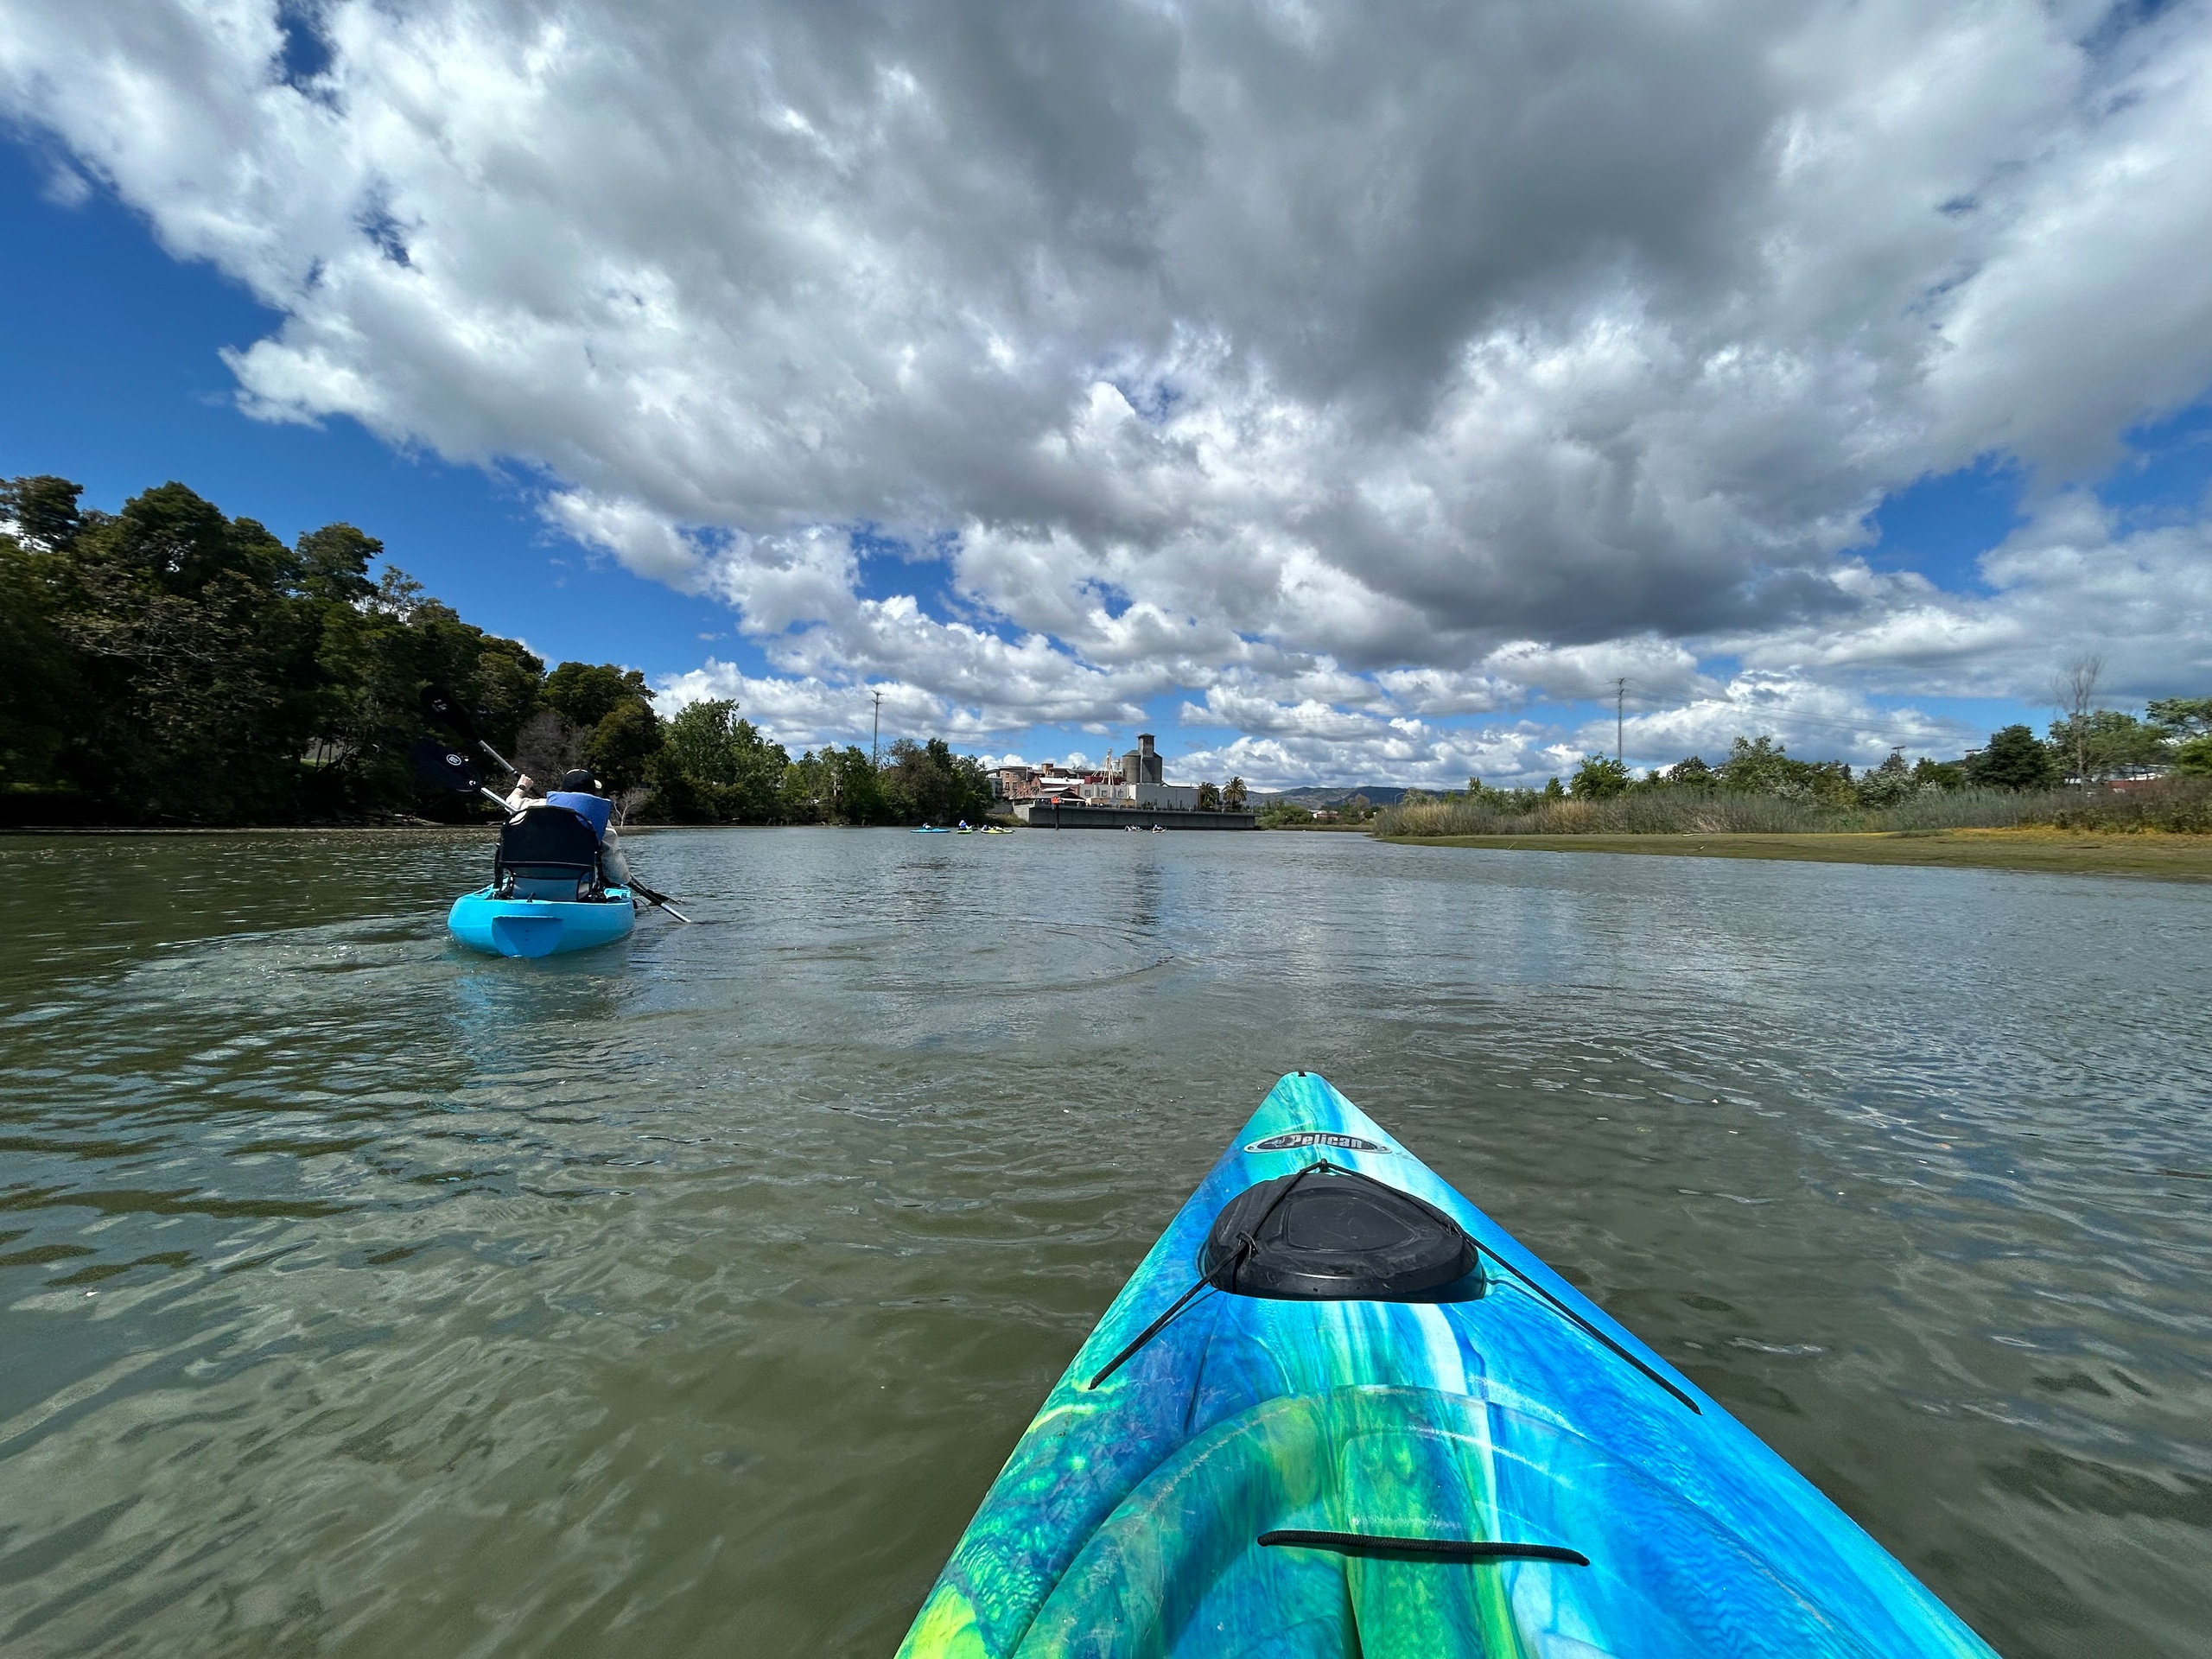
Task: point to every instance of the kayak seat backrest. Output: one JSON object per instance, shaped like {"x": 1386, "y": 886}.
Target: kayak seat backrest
{"x": 547, "y": 852}
{"x": 594, "y": 809}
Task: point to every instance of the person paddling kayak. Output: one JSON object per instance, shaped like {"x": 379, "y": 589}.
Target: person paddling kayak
{"x": 583, "y": 795}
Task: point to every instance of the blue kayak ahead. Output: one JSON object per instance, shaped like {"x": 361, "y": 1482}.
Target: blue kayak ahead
{"x": 539, "y": 927}
{"x": 1338, "y": 1411}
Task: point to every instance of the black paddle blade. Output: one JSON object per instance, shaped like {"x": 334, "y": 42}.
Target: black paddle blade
{"x": 444, "y": 768}
{"x": 441, "y": 707}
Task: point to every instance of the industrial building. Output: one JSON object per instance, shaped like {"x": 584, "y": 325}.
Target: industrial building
{"x": 1132, "y": 793}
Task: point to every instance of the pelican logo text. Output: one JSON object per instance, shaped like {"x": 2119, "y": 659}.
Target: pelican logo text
{"x": 1295, "y": 1139}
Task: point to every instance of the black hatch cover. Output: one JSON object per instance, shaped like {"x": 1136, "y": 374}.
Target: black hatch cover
{"x": 1326, "y": 1234}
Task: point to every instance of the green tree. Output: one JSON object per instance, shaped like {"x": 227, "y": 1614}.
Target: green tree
{"x": 612, "y": 709}
{"x": 1762, "y": 766}
{"x": 43, "y": 510}
{"x": 373, "y": 656}
{"x": 971, "y": 788}
{"x": 699, "y": 740}
{"x": 182, "y": 664}
{"x": 198, "y": 660}
{"x": 859, "y": 789}
{"x": 586, "y": 693}
{"x": 2192, "y": 756}
{"x": 834, "y": 786}
{"x": 2187, "y": 724}
{"x": 931, "y": 785}
{"x": 1888, "y": 784}
{"x": 921, "y": 777}
{"x": 1209, "y": 798}
{"x": 1233, "y": 796}
{"x": 334, "y": 563}
{"x": 623, "y": 744}
{"x": 808, "y": 792}
{"x": 2182, "y": 717}
{"x": 1600, "y": 778}
{"x": 733, "y": 774}
{"x": 41, "y": 692}
{"x": 2106, "y": 743}
{"x": 1754, "y": 767}
{"x": 2014, "y": 758}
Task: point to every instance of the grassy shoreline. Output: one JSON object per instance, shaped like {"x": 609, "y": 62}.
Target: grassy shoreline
{"x": 2063, "y": 852}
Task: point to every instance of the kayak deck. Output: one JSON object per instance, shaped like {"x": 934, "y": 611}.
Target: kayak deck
{"x": 1494, "y": 1468}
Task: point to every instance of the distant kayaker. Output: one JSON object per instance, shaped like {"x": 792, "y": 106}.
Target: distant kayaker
{"x": 583, "y": 795}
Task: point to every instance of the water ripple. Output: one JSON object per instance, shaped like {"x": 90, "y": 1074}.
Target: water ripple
{"x": 358, "y": 1295}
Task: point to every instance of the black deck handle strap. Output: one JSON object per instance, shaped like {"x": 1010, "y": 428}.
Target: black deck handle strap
{"x": 1425, "y": 1549}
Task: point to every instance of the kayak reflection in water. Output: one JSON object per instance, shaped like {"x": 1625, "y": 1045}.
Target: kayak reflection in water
{"x": 586, "y": 796}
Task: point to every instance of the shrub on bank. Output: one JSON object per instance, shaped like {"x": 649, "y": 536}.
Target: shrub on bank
{"x": 2177, "y": 805}
{"x": 2182, "y": 805}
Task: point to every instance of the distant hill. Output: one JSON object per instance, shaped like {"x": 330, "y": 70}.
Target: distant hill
{"x": 1315, "y": 796}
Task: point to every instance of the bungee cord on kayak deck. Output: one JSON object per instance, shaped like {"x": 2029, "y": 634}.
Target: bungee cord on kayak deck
{"x": 1248, "y": 1245}
{"x": 1569, "y": 1313}
{"x": 1147, "y": 1333}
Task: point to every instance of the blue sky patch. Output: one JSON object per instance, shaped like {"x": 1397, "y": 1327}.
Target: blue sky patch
{"x": 1940, "y": 526}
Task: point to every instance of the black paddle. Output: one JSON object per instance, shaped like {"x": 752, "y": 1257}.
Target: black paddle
{"x": 444, "y": 768}
{"x": 442, "y": 708}
{"x": 659, "y": 899}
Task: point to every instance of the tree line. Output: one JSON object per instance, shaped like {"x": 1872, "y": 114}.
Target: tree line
{"x": 716, "y": 767}
{"x": 2173, "y": 736}
{"x": 168, "y": 663}
{"x": 2015, "y": 779}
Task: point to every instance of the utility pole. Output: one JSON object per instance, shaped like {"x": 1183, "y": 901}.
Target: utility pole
{"x": 1620, "y": 718}
{"x": 875, "y": 736}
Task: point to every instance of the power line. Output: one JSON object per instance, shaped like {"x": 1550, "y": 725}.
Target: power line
{"x": 876, "y": 735}
{"x": 1620, "y": 720}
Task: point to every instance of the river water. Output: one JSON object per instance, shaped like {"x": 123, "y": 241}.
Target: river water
{"x": 359, "y": 1296}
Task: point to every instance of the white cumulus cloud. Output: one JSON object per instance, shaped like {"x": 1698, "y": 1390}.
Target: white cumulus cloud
{"x": 1351, "y": 375}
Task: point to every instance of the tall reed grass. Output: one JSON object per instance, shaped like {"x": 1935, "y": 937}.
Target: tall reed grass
{"x": 2182, "y": 804}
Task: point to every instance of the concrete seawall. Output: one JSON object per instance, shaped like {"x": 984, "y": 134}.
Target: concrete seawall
{"x": 1042, "y": 815}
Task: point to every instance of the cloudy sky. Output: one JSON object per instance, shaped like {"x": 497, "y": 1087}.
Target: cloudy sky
{"x": 1345, "y": 393}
